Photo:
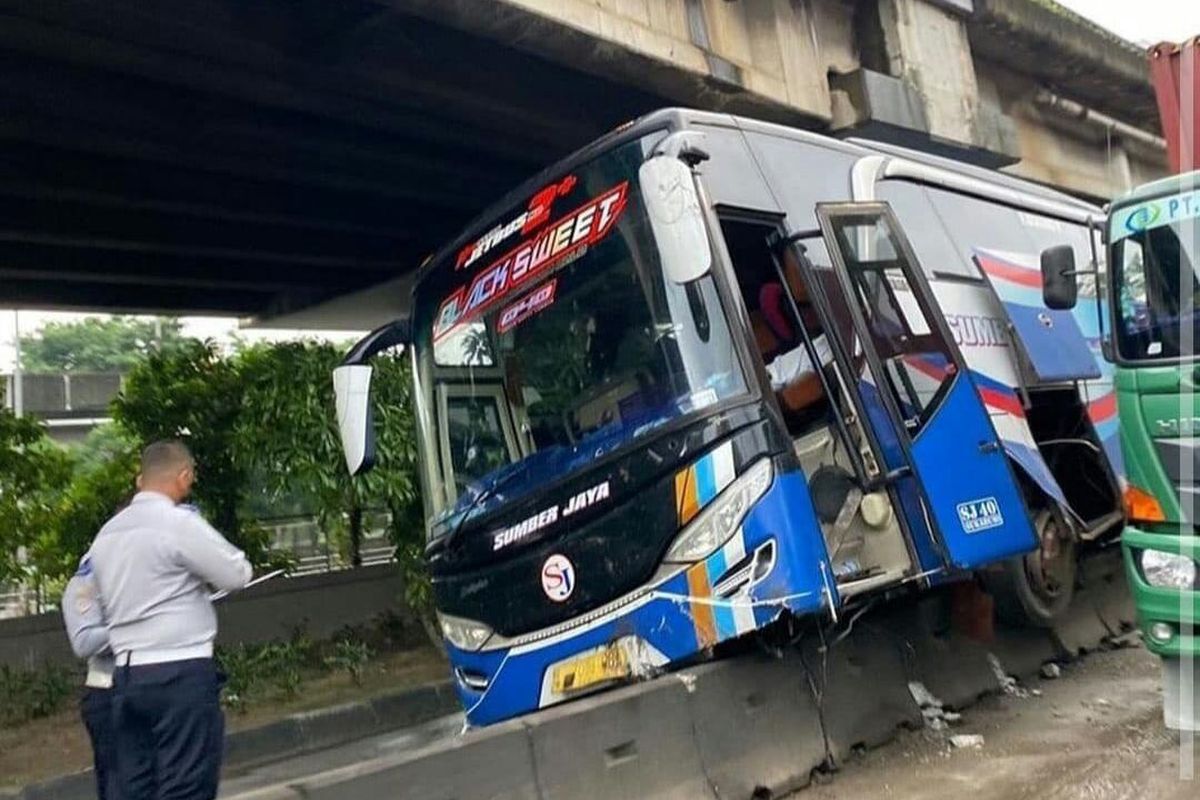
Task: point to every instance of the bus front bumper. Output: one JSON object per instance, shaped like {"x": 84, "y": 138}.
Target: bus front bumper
{"x": 663, "y": 624}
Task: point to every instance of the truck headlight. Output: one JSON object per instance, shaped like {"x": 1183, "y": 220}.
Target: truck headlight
{"x": 713, "y": 526}
{"x": 1168, "y": 570}
{"x": 465, "y": 634}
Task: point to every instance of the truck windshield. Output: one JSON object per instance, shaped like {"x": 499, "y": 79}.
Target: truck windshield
{"x": 1155, "y": 272}
{"x": 566, "y": 345}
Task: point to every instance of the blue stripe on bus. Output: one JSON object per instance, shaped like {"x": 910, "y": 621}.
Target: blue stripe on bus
{"x": 722, "y": 614}
{"x": 706, "y": 479}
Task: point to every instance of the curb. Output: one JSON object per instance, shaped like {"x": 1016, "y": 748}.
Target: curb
{"x": 291, "y": 736}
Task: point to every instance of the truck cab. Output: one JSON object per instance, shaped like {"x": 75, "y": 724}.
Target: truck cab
{"x": 1154, "y": 243}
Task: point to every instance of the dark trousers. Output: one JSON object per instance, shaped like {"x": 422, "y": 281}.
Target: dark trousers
{"x": 96, "y": 710}
{"x": 170, "y": 730}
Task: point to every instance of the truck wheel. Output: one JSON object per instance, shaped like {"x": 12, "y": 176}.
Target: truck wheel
{"x": 1035, "y": 589}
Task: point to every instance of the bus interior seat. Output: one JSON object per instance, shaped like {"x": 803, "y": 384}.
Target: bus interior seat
{"x": 773, "y": 320}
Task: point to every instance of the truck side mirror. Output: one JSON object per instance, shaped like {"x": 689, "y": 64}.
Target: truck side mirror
{"x": 1059, "y": 288}
{"x": 676, "y": 218}
{"x": 352, "y": 393}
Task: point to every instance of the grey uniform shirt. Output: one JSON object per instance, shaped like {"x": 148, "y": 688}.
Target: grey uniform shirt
{"x": 795, "y": 363}
{"x": 153, "y": 563}
{"x": 86, "y": 627}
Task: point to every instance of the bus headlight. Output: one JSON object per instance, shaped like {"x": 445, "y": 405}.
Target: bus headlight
{"x": 1168, "y": 570}
{"x": 713, "y": 526}
{"x": 465, "y": 634}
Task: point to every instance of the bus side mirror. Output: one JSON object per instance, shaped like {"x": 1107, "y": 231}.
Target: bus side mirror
{"x": 1059, "y": 288}
{"x": 352, "y": 390}
{"x": 352, "y": 393}
{"x": 676, "y": 218}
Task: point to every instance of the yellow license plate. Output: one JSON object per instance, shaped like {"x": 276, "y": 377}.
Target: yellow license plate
{"x": 605, "y": 665}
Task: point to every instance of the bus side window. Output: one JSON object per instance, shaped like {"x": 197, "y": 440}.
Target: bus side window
{"x": 918, "y": 362}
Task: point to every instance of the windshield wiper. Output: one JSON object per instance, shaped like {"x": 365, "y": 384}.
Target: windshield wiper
{"x": 449, "y": 539}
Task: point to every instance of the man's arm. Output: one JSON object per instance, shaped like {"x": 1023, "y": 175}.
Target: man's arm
{"x": 83, "y": 615}
{"x": 207, "y": 554}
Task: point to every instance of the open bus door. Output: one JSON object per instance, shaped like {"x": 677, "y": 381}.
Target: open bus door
{"x": 920, "y": 386}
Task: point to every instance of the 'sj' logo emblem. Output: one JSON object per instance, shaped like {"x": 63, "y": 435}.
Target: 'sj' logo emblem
{"x": 558, "y": 578}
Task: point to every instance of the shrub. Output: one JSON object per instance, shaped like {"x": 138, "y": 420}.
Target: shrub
{"x": 264, "y": 671}
{"x": 350, "y": 656}
{"x": 27, "y": 694}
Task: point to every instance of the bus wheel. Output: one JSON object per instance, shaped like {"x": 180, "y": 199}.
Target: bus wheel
{"x": 1035, "y": 589}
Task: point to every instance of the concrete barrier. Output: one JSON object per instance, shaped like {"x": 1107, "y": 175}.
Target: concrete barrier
{"x": 639, "y": 744}
{"x": 320, "y": 604}
{"x": 865, "y": 697}
{"x": 751, "y": 726}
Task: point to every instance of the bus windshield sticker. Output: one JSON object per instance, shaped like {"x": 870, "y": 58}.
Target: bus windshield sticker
{"x": 539, "y": 299}
{"x": 559, "y": 241}
{"x": 540, "y": 206}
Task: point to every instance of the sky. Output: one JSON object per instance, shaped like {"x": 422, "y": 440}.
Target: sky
{"x": 1144, "y": 22}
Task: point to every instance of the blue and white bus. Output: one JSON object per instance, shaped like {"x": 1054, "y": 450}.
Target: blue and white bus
{"x": 709, "y": 373}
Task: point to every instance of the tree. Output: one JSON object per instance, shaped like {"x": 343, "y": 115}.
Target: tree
{"x": 94, "y": 344}
{"x": 288, "y": 434}
{"x": 191, "y": 393}
{"x": 103, "y": 444}
{"x": 33, "y": 472}
{"x": 98, "y": 489}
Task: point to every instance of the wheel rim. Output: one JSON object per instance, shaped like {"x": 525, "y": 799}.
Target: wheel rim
{"x": 1050, "y": 568}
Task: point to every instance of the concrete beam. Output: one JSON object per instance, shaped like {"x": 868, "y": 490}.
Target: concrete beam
{"x": 761, "y": 59}
{"x": 1067, "y": 53}
{"x": 927, "y": 46}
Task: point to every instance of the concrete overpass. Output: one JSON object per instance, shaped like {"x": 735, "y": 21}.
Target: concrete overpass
{"x": 259, "y": 158}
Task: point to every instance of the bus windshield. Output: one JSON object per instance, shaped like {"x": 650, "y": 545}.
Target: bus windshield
{"x": 1155, "y": 271}
{"x": 556, "y": 339}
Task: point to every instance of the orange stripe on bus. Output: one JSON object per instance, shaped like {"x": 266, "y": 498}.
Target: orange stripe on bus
{"x": 702, "y": 613}
{"x": 686, "y": 502}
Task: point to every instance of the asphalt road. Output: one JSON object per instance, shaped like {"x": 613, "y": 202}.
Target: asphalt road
{"x": 1095, "y": 733}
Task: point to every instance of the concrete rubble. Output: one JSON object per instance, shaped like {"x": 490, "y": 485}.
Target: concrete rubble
{"x": 1007, "y": 683}
{"x": 937, "y": 717}
{"x": 966, "y": 741}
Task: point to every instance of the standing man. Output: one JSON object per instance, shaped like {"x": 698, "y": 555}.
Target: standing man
{"x": 89, "y": 639}
{"x": 153, "y": 564}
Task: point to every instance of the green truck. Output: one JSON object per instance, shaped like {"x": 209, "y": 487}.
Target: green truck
{"x": 1154, "y": 274}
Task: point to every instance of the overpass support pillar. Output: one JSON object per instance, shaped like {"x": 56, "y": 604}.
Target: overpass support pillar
{"x": 918, "y": 85}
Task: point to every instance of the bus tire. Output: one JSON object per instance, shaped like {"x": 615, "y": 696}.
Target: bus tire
{"x": 1036, "y": 589}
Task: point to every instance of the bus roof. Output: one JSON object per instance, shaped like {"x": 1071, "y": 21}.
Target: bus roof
{"x": 679, "y": 118}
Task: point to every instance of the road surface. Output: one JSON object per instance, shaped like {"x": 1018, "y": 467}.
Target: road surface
{"x": 1095, "y": 733}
